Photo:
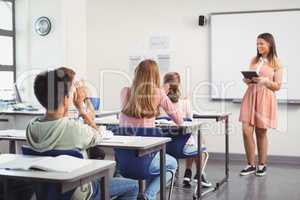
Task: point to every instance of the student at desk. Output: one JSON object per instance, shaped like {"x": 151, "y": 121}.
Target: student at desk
{"x": 140, "y": 105}
{"x": 56, "y": 131}
{"x": 172, "y": 82}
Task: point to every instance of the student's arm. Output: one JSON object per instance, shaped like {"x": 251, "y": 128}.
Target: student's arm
{"x": 79, "y": 97}
{"x": 90, "y": 108}
{"x": 169, "y": 108}
{"x": 84, "y": 136}
{"x": 187, "y": 108}
{"x": 275, "y": 85}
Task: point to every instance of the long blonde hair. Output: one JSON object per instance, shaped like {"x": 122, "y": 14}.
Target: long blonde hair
{"x": 141, "y": 97}
{"x": 272, "y": 56}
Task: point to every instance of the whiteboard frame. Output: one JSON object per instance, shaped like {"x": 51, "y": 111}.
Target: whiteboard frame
{"x": 290, "y": 101}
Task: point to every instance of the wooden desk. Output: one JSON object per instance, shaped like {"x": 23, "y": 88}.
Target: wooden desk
{"x": 187, "y": 128}
{"x": 143, "y": 146}
{"x": 64, "y": 181}
{"x": 219, "y": 117}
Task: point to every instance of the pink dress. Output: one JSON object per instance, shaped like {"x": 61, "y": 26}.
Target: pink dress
{"x": 161, "y": 99}
{"x": 259, "y": 104}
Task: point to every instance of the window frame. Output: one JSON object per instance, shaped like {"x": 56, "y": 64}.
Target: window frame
{"x": 12, "y": 34}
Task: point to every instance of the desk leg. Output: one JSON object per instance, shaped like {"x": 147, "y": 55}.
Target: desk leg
{"x": 6, "y": 189}
{"x": 199, "y": 165}
{"x": 163, "y": 172}
{"x": 225, "y": 179}
{"x": 227, "y": 148}
{"x": 104, "y": 186}
{"x": 12, "y": 146}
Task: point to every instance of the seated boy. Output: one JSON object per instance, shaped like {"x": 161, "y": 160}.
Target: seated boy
{"x": 56, "y": 131}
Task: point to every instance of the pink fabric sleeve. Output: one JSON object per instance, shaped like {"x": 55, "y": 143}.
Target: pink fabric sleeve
{"x": 169, "y": 108}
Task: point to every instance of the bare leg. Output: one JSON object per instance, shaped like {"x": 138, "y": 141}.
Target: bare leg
{"x": 189, "y": 163}
{"x": 262, "y": 145}
{"x": 249, "y": 143}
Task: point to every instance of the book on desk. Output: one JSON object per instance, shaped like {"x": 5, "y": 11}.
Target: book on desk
{"x": 62, "y": 163}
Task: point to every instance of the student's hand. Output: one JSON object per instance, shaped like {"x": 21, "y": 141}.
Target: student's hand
{"x": 79, "y": 97}
{"x": 247, "y": 81}
{"x": 261, "y": 80}
{"x": 166, "y": 88}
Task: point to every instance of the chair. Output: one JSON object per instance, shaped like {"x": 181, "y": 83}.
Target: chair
{"x": 48, "y": 191}
{"x": 132, "y": 166}
{"x": 176, "y": 146}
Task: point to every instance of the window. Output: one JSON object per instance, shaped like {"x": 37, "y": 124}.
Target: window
{"x": 7, "y": 47}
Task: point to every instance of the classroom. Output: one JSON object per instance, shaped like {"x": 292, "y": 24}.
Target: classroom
{"x": 149, "y": 100}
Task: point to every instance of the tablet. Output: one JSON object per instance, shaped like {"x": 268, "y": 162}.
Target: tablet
{"x": 249, "y": 74}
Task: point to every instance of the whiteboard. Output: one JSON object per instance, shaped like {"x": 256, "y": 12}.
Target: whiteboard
{"x": 233, "y": 44}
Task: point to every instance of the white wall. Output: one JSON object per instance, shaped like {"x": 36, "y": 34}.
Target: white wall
{"x": 63, "y": 46}
{"x": 115, "y": 27}
{"x": 96, "y": 35}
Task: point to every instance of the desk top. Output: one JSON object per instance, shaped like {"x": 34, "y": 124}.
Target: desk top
{"x": 134, "y": 142}
{"x": 41, "y": 112}
{"x": 23, "y": 112}
{"x": 57, "y": 177}
{"x": 186, "y": 127}
{"x": 211, "y": 115}
{"x": 126, "y": 142}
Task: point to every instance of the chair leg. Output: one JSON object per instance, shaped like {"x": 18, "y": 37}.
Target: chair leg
{"x": 177, "y": 170}
{"x": 205, "y": 161}
{"x": 172, "y": 184}
{"x": 206, "y": 156}
{"x": 141, "y": 186}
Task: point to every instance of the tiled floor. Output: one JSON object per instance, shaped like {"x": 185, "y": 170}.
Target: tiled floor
{"x": 282, "y": 182}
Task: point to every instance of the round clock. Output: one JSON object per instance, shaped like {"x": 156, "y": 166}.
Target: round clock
{"x": 42, "y": 26}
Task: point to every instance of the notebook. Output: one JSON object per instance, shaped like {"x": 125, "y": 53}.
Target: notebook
{"x": 63, "y": 163}
{"x": 164, "y": 121}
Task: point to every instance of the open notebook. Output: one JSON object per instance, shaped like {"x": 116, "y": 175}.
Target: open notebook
{"x": 61, "y": 163}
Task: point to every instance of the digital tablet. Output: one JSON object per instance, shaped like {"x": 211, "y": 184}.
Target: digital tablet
{"x": 249, "y": 74}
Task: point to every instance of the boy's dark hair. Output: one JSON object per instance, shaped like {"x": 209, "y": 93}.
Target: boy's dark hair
{"x": 50, "y": 87}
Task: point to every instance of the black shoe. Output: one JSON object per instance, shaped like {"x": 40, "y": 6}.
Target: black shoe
{"x": 141, "y": 197}
{"x": 249, "y": 169}
{"x": 261, "y": 170}
{"x": 204, "y": 182}
{"x": 187, "y": 178}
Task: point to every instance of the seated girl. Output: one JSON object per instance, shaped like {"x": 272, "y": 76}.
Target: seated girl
{"x": 140, "y": 105}
{"x": 172, "y": 85}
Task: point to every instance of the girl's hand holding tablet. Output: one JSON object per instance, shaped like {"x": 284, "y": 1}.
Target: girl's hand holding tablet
{"x": 261, "y": 80}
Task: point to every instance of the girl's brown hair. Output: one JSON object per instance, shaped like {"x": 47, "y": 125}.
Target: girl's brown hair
{"x": 141, "y": 98}
{"x": 272, "y": 56}
{"x": 173, "y": 79}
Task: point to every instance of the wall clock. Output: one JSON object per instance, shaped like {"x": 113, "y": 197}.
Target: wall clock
{"x": 42, "y": 26}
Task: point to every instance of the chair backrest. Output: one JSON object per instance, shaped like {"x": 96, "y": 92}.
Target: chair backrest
{"x": 129, "y": 164}
{"x": 137, "y": 131}
{"x": 176, "y": 146}
{"x": 48, "y": 191}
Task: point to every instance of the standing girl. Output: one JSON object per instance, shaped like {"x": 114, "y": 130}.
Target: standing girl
{"x": 259, "y": 105}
